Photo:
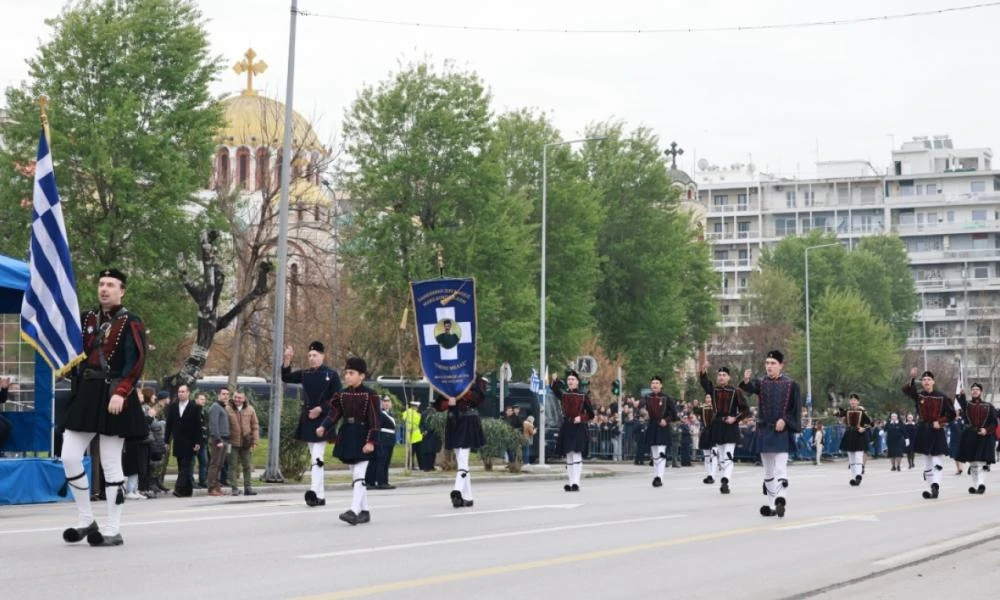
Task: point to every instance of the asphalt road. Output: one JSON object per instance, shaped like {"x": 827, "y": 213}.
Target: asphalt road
{"x": 617, "y": 538}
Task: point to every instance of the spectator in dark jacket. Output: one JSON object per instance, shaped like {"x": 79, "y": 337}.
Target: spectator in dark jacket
{"x": 218, "y": 442}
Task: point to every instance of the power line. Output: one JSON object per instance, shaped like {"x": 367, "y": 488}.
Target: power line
{"x": 657, "y": 30}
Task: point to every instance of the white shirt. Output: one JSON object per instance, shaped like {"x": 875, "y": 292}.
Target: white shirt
{"x": 181, "y": 406}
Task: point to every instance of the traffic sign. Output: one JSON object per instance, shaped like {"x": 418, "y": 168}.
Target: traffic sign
{"x": 586, "y": 366}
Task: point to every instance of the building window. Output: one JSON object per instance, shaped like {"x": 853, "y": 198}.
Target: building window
{"x": 981, "y": 273}
{"x": 222, "y": 169}
{"x": 744, "y": 229}
{"x": 741, "y": 201}
{"x": 979, "y": 215}
{"x": 262, "y": 180}
{"x": 906, "y": 189}
{"x": 725, "y": 309}
{"x": 950, "y": 216}
{"x": 744, "y": 254}
{"x": 717, "y": 227}
{"x": 243, "y": 168}
{"x": 316, "y": 213}
{"x": 721, "y": 200}
{"x": 743, "y": 282}
{"x": 722, "y": 255}
{"x": 930, "y": 189}
{"x": 790, "y": 199}
{"x": 843, "y": 195}
{"x": 810, "y": 197}
{"x": 983, "y": 330}
{"x": 977, "y": 187}
{"x": 784, "y": 226}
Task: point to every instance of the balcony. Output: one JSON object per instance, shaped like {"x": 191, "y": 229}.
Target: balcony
{"x": 733, "y": 263}
{"x": 731, "y": 294}
{"x": 945, "y": 228}
{"x": 957, "y": 284}
{"x": 947, "y": 343}
{"x": 944, "y": 199}
{"x": 728, "y": 236}
{"x": 943, "y": 256}
{"x": 958, "y": 313}
{"x": 734, "y": 321}
{"x": 716, "y": 210}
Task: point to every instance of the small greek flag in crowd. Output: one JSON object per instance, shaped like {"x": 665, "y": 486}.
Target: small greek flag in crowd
{"x": 50, "y": 312}
{"x": 536, "y": 382}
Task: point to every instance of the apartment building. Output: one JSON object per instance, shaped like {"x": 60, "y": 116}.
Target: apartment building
{"x": 942, "y": 201}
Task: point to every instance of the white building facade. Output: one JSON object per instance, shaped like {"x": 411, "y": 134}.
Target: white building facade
{"x": 943, "y": 202}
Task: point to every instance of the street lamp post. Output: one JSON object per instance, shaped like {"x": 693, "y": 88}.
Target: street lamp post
{"x": 809, "y": 381}
{"x": 543, "y": 372}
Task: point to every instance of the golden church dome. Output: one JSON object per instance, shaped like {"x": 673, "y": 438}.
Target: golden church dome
{"x": 253, "y": 120}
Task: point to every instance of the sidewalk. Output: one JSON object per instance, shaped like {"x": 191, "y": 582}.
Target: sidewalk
{"x": 340, "y": 479}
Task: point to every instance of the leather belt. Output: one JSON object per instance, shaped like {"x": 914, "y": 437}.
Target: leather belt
{"x": 99, "y": 374}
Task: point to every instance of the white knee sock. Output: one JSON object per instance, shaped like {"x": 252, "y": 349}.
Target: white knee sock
{"x": 724, "y": 452}
{"x": 578, "y": 467}
{"x": 462, "y": 483}
{"x": 75, "y": 443}
{"x": 359, "y": 499}
{"x": 317, "y": 481}
{"x": 111, "y": 462}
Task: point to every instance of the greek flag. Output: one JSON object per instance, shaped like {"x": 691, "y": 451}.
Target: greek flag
{"x": 536, "y": 382}
{"x": 50, "y": 311}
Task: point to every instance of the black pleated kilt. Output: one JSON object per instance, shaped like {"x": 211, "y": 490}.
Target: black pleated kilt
{"x": 351, "y": 438}
{"x": 463, "y": 430}
{"x": 975, "y": 447}
{"x": 768, "y": 441}
{"x": 88, "y": 412}
{"x": 655, "y": 435}
{"x": 720, "y": 432}
{"x": 573, "y": 437}
{"x": 930, "y": 441}
{"x": 306, "y": 431}
{"x": 854, "y": 441}
{"x": 896, "y": 447}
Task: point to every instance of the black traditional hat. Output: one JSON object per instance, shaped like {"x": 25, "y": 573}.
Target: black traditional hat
{"x": 572, "y": 373}
{"x": 776, "y": 355}
{"x": 356, "y": 363}
{"x": 656, "y": 378}
{"x": 115, "y": 273}
{"x": 855, "y": 396}
{"x": 977, "y": 385}
{"x": 317, "y": 346}
{"x": 724, "y": 370}
{"x": 927, "y": 374}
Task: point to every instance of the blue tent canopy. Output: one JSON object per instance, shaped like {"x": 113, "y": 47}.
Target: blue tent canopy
{"x": 14, "y": 279}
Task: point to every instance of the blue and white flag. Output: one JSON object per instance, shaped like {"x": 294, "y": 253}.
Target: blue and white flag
{"x": 50, "y": 311}
{"x": 445, "y": 311}
{"x": 536, "y": 382}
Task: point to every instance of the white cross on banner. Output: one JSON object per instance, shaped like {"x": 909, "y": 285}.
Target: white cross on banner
{"x": 431, "y": 338}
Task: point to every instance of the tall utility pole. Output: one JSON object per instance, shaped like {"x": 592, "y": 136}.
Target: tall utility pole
{"x": 809, "y": 380}
{"x": 542, "y": 368}
{"x": 273, "y": 470}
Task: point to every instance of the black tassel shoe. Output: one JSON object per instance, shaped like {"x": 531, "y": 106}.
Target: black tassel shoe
{"x": 779, "y": 507}
{"x": 724, "y": 488}
{"x": 456, "y": 498}
{"x": 657, "y": 482}
{"x": 364, "y": 517}
{"x": 96, "y": 538}
{"x": 311, "y": 499}
{"x": 76, "y": 534}
{"x": 349, "y": 517}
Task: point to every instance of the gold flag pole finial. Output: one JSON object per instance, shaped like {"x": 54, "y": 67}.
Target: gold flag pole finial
{"x": 43, "y": 102}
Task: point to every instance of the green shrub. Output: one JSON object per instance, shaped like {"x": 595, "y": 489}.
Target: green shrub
{"x": 501, "y": 438}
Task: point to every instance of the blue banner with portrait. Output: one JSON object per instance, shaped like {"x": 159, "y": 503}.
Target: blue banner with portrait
{"x": 445, "y": 313}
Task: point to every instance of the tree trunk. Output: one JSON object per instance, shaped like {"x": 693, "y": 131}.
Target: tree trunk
{"x": 206, "y": 294}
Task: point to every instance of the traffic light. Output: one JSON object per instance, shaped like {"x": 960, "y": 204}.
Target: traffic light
{"x": 616, "y": 387}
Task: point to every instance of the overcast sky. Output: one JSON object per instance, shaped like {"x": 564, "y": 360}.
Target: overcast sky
{"x": 784, "y": 97}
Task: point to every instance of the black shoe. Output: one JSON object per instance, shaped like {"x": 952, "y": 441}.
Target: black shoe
{"x": 708, "y": 480}
{"x": 75, "y": 534}
{"x": 981, "y": 489}
{"x": 657, "y": 482}
{"x": 249, "y": 492}
{"x": 456, "y": 498}
{"x": 349, "y": 517}
{"x": 724, "y": 488}
{"x": 386, "y": 486}
{"x": 467, "y": 503}
{"x": 567, "y": 488}
{"x": 321, "y": 502}
{"x": 972, "y": 490}
{"x": 311, "y": 498}
{"x": 935, "y": 488}
{"x": 765, "y": 511}
{"x": 364, "y": 517}
{"x": 202, "y": 485}
{"x": 779, "y": 507}
{"x": 853, "y": 482}
{"x": 576, "y": 487}
{"x": 96, "y": 538}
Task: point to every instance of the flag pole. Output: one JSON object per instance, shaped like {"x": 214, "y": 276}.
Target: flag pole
{"x": 42, "y": 102}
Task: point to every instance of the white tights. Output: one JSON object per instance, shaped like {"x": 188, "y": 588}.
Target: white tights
{"x": 463, "y": 480}
{"x": 75, "y": 443}
{"x": 359, "y": 501}
{"x": 574, "y": 467}
{"x": 316, "y": 473}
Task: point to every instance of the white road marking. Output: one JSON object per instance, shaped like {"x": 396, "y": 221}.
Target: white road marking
{"x": 490, "y": 536}
{"x": 506, "y": 510}
{"x": 938, "y": 548}
{"x": 829, "y": 521}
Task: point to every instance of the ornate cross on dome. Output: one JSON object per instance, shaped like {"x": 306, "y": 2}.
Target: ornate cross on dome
{"x": 251, "y": 68}
{"x": 673, "y": 153}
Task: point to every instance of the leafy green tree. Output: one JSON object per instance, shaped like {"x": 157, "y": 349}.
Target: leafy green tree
{"x": 574, "y": 219}
{"x": 648, "y": 253}
{"x": 897, "y": 277}
{"x": 852, "y": 350}
{"x": 132, "y": 124}
{"x": 826, "y": 265}
{"x": 775, "y": 305}
{"x": 425, "y": 173}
